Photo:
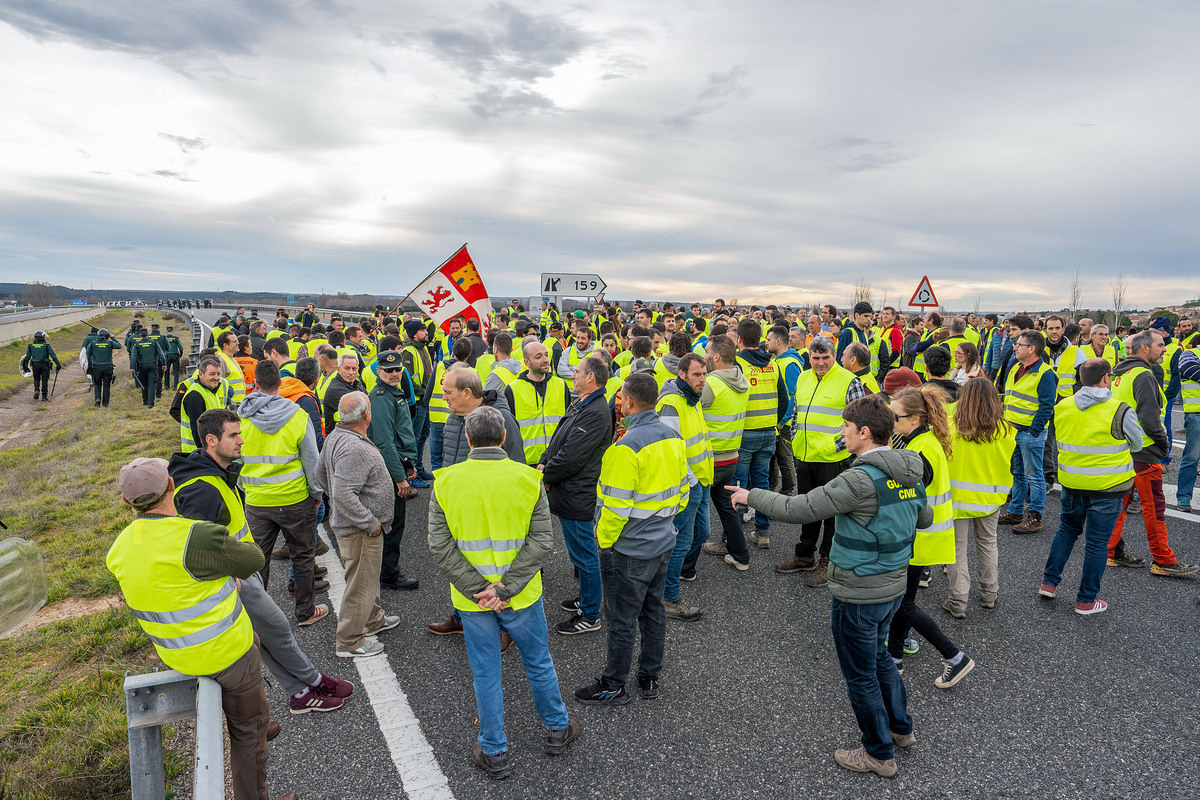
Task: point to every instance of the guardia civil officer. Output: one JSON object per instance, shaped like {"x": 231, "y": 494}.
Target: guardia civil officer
{"x": 38, "y": 355}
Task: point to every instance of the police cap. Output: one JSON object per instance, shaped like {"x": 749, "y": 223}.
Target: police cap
{"x": 389, "y": 359}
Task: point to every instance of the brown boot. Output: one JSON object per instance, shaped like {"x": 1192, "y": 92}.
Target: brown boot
{"x": 1030, "y": 524}
{"x": 819, "y": 577}
{"x": 505, "y": 642}
{"x": 861, "y": 761}
{"x": 445, "y": 627}
{"x": 1009, "y": 518}
{"x": 280, "y": 553}
{"x": 796, "y": 564}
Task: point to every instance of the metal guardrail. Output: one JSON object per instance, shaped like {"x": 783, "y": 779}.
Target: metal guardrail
{"x": 155, "y": 699}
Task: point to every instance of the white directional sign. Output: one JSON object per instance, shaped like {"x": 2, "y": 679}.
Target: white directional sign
{"x": 563, "y": 284}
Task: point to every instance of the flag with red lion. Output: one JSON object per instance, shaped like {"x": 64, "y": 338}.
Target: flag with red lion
{"x": 454, "y": 290}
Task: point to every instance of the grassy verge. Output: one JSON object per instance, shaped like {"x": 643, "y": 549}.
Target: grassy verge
{"x": 62, "y": 709}
{"x": 62, "y": 712}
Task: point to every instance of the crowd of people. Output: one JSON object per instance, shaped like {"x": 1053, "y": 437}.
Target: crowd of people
{"x": 892, "y": 441}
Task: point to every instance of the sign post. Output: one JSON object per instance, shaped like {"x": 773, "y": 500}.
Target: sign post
{"x": 924, "y": 296}
{"x": 557, "y": 285}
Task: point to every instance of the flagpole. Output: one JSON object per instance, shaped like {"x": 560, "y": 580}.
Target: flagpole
{"x": 430, "y": 275}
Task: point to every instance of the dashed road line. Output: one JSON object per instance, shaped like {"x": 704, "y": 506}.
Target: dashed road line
{"x": 420, "y": 775}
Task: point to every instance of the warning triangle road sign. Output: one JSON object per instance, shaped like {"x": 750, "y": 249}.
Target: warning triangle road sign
{"x": 924, "y": 295}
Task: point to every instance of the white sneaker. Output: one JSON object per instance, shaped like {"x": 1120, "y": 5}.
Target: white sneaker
{"x": 748, "y": 516}
{"x": 733, "y": 562}
{"x": 390, "y": 621}
{"x": 369, "y": 647}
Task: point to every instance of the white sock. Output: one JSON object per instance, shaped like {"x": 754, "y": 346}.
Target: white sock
{"x": 300, "y": 694}
{"x": 954, "y": 661}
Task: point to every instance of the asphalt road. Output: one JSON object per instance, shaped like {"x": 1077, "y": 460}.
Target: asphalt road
{"x": 753, "y": 703}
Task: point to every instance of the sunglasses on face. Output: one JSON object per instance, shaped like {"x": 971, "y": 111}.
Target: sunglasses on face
{"x": 391, "y": 369}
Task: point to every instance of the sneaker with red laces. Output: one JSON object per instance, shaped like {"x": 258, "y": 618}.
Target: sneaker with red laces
{"x": 333, "y": 687}
{"x": 313, "y": 700}
{"x": 1048, "y": 591}
{"x": 1094, "y": 607}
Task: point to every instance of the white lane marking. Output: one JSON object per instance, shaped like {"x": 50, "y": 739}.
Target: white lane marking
{"x": 420, "y": 775}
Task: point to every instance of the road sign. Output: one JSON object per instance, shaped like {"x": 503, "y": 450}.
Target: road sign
{"x": 562, "y": 284}
{"x": 291, "y": 299}
{"x": 924, "y": 295}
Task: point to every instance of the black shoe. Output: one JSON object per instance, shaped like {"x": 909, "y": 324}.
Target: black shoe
{"x": 570, "y": 605}
{"x": 649, "y": 687}
{"x": 926, "y": 578}
{"x": 495, "y": 766}
{"x": 97, "y": 404}
{"x": 557, "y": 741}
{"x": 578, "y": 624}
{"x": 318, "y": 586}
{"x": 320, "y": 572}
{"x": 400, "y": 584}
{"x": 597, "y": 695}
{"x": 687, "y": 576}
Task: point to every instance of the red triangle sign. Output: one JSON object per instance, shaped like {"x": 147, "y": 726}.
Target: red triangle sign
{"x": 924, "y": 295}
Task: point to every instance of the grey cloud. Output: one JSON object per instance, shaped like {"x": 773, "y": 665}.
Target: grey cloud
{"x": 720, "y": 89}
{"x": 166, "y": 173}
{"x": 496, "y": 101}
{"x": 185, "y": 144}
{"x": 151, "y": 28}
{"x": 121, "y": 248}
{"x": 858, "y": 154}
{"x": 377, "y": 66}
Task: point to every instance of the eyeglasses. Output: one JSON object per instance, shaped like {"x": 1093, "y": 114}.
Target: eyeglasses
{"x": 391, "y": 369}
{"x": 903, "y": 416}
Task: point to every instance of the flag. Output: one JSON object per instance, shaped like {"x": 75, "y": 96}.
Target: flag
{"x": 454, "y": 290}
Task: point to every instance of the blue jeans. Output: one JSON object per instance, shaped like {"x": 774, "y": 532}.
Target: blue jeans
{"x": 435, "y": 445}
{"x": 873, "y": 683}
{"x": 754, "y": 467}
{"x": 581, "y": 548}
{"x": 633, "y": 599}
{"x": 1191, "y": 455}
{"x": 420, "y": 422}
{"x": 527, "y": 627}
{"x": 691, "y": 532}
{"x": 1095, "y": 518}
{"x": 1028, "y": 477}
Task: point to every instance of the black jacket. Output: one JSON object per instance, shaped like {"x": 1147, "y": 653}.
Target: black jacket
{"x": 201, "y": 501}
{"x": 572, "y": 459}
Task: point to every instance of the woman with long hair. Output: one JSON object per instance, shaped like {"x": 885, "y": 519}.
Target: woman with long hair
{"x": 980, "y": 479}
{"x": 922, "y": 426}
{"x": 966, "y": 363}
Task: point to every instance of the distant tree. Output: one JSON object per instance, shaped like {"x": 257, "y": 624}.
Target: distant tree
{"x": 40, "y": 294}
{"x": 1162, "y": 312}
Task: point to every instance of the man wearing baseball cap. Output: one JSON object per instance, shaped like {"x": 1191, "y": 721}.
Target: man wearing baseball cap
{"x": 181, "y": 578}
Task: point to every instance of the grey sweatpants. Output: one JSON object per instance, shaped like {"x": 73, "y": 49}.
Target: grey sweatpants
{"x": 280, "y": 651}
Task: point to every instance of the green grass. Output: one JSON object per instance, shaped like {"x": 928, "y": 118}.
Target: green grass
{"x": 62, "y": 712}
{"x": 62, "y": 708}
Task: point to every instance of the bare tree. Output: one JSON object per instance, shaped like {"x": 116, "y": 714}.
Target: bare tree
{"x": 1120, "y": 287}
{"x": 862, "y": 292}
{"x": 1076, "y": 293}
{"x": 40, "y": 294}
{"x": 978, "y": 300}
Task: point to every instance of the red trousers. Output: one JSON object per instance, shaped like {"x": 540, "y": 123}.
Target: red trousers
{"x": 1148, "y": 482}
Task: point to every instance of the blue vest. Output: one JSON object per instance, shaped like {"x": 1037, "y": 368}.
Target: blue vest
{"x": 884, "y": 544}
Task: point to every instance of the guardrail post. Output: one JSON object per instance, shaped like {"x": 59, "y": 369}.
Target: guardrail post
{"x": 156, "y": 699}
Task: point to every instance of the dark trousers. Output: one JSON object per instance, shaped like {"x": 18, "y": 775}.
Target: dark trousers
{"x": 731, "y": 521}
{"x": 873, "y": 683}
{"x": 1050, "y": 456}
{"x": 813, "y": 475}
{"x": 102, "y": 377}
{"x": 633, "y": 598}
{"x": 171, "y": 371}
{"x": 783, "y": 463}
{"x": 246, "y": 716}
{"x": 910, "y": 615}
{"x": 41, "y": 379}
{"x": 148, "y": 376}
{"x": 389, "y": 570}
{"x": 298, "y": 524}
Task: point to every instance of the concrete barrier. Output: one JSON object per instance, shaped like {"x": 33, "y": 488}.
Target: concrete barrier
{"x": 15, "y": 330}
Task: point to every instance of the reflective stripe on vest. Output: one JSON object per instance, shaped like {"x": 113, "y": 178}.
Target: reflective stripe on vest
{"x": 439, "y": 410}
{"x": 1123, "y": 390}
{"x": 981, "y": 474}
{"x": 725, "y": 419}
{"x": 197, "y": 627}
{"x": 762, "y": 410}
{"x": 238, "y": 527}
{"x": 1021, "y": 396}
{"x": 694, "y": 430}
{"x": 237, "y": 386}
{"x": 488, "y": 505}
{"x": 1090, "y": 458}
{"x": 935, "y": 544}
{"x": 820, "y": 401}
{"x": 211, "y": 400}
{"x": 538, "y": 417}
{"x": 1064, "y": 368}
{"x": 273, "y": 474}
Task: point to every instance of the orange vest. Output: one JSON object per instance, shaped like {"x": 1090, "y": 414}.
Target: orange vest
{"x": 247, "y": 364}
{"x": 293, "y": 389}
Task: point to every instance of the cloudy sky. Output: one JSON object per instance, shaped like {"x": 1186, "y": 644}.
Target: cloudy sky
{"x": 762, "y": 150}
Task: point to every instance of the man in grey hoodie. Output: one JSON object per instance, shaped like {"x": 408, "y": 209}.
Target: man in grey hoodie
{"x": 724, "y": 414}
{"x": 281, "y": 495}
{"x": 877, "y": 506}
{"x": 506, "y": 368}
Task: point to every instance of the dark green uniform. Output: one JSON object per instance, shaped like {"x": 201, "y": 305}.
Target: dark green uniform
{"x": 174, "y": 351}
{"x": 159, "y": 339}
{"x": 99, "y": 354}
{"x": 38, "y": 356}
{"x": 145, "y": 359}
{"x": 391, "y": 430}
